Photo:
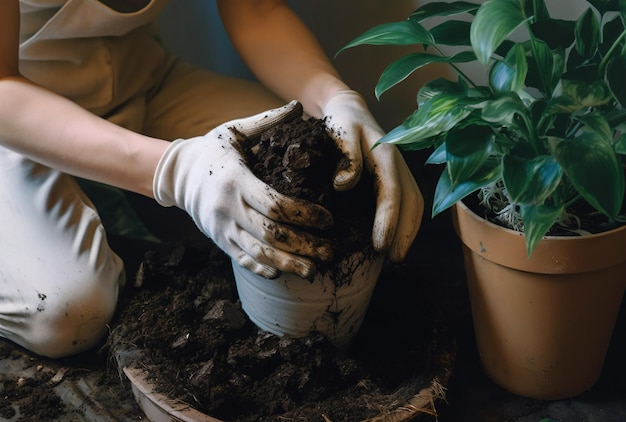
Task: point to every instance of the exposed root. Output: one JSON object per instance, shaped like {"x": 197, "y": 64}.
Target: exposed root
{"x": 495, "y": 199}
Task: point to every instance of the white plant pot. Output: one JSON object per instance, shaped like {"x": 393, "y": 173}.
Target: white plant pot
{"x": 333, "y": 304}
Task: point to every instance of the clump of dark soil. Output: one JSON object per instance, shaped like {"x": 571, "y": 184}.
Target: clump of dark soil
{"x": 184, "y": 315}
{"x": 299, "y": 159}
{"x": 32, "y": 402}
{"x": 72, "y": 389}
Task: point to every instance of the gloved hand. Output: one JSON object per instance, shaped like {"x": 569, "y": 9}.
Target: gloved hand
{"x": 399, "y": 202}
{"x": 207, "y": 176}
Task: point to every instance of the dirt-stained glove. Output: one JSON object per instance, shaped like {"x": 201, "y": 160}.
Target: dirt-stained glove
{"x": 207, "y": 176}
{"x": 399, "y": 202}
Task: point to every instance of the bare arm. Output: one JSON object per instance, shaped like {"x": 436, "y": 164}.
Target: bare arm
{"x": 56, "y": 132}
{"x": 281, "y": 51}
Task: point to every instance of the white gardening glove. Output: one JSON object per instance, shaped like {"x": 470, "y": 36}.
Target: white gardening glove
{"x": 207, "y": 176}
{"x": 399, "y": 202}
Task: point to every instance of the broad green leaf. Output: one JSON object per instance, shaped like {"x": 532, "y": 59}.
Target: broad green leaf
{"x": 413, "y": 136}
{"x": 550, "y": 64}
{"x": 539, "y": 10}
{"x": 452, "y": 32}
{"x": 557, "y": 62}
{"x": 617, "y": 118}
{"x": 439, "y": 86}
{"x": 442, "y": 104}
{"x": 587, "y": 32}
{"x": 408, "y": 32}
{"x": 437, "y": 116}
{"x": 594, "y": 169}
{"x": 544, "y": 121}
{"x": 433, "y": 9}
{"x": 494, "y": 22}
{"x": 467, "y": 150}
{"x": 570, "y": 96}
{"x": 530, "y": 181}
{"x": 508, "y": 75}
{"x": 579, "y": 68}
{"x": 609, "y": 5}
{"x": 611, "y": 31}
{"x": 447, "y": 195}
{"x": 616, "y": 77}
{"x": 546, "y": 66}
{"x": 556, "y": 33}
{"x": 503, "y": 109}
{"x": 596, "y": 122}
{"x": 400, "y": 69}
{"x": 538, "y": 219}
{"x": 438, "y": 156}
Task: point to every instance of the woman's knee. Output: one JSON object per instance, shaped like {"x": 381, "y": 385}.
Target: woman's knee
{"x": 71, "y": 317}
{"x": 59, "y": 276}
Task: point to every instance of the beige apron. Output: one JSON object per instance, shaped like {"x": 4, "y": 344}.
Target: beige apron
{"x": 88, "y": 52}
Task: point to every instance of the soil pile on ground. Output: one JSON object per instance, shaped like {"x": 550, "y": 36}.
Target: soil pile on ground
{"x": 184, "y": 314}
{"x": 35, "y": 403}
{"x": 73, "y": 389}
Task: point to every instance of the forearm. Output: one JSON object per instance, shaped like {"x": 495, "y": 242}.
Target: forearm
{"x": 55, "y": 132}
{"x": 281, "y": 52}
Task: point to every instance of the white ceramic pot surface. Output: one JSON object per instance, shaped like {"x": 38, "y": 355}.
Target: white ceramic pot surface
{"x": 333, "y": 304}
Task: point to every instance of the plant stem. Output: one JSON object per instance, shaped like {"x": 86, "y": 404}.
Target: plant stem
{"x": 572, "y": 131}
{"x": 609, "y": 54}
{"x": 543, "y": 76}
{"x": 531, "y": 132}
{"x": 463, "y": 75}
{"x": 457, "y": 69}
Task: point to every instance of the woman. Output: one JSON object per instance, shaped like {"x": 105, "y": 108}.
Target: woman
{"x": 87, "y": 90}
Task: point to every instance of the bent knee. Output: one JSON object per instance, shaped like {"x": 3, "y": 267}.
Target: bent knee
{"x": 67, "y": 338}
{"x": 69, "y": 322}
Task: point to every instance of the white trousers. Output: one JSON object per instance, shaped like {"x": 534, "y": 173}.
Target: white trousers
{"x": 59, "y": 278}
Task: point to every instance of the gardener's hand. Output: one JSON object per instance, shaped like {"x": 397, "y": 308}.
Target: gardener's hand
{"x": 208, "y": 177}
{"x": 399, "y": 203}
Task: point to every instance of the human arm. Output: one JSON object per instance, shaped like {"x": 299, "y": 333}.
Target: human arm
{"x": 58, "y": 133}
{"x": 281, "y": 52}
{"x": 287, "y": 58}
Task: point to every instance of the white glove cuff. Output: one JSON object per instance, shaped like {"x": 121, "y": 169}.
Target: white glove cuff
{"x": 344, "y": 95}
{"x": 163, "y": 183}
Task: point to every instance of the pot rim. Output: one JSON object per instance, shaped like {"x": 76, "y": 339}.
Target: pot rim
{"x": 553, "y": 255}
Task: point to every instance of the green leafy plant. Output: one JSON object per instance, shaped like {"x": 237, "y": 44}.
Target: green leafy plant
{"x": 544, "y": 132}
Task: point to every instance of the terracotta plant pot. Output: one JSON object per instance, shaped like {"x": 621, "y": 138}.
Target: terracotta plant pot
{"x": 543, "y": 324}
{"x": 333, "y": 304}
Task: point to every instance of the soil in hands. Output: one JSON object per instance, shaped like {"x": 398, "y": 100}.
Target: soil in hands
{"x": 299, "y": 159}
{"x": 184, "y": 315}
